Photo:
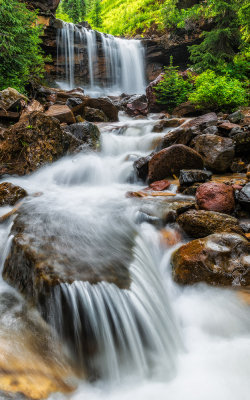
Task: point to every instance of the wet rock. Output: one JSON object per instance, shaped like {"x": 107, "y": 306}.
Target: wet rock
{"x": 202, "y": 122}
{"x": 211, "y": 130}
{"x": 61, "y": 112}
{"x": 171, "y": 161}
{"x": 189, "y": 177}
{"x": 217, "y": 152}
{"x": 76, "y": 105}
{"x": 171, "y": 210}
{"x": 234, "y": 132}
{"x": 137, "y": 105}
{"x": 33, "y": 106}
{"x": 153, "y": 106}
{"x": 141, "y": 167}
{"x": 10, "y": 194}
{"x": 176, "y": 136}
{"x": 242, "y": 143}
{"x": 104, "y": 104}
{"x": 226, "y": 127}
{"x": 142, "y": 217}
{"x": 30, "y": 144}
{"x": 167, "y": 123}
{"x": 190, "y": 190}
{"x": 236, "y": 117}
{"x": 198, "y": 224}
{"x": 185, "y": 110}
{"x": 215, "y": 196}
{"x": 86, "y": 132}
{"x": 238, "y": 166}
{"x": 159, "y": 185}
{"x": 170, "y": 237}
{"x": 221, "y": 259}
{"x": 244, "y": 197}
{"x": 12, "y": 100}
{"x": 94, "y": 115}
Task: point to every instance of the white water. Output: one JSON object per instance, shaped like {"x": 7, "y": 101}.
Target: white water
{"x": 124, "y": 61}
{"x": 198, "y": 339}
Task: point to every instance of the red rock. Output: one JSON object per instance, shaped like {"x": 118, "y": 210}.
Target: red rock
{"x": 215, "y": 196}
{"x": 228, "y": 126}
{"x": 170, "y": 161}
{"x": 62, "y": 112}
{"x": 159, "y": 185}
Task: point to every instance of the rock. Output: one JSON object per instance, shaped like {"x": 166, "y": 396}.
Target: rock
{"x": 242, "y": 143}
{"x": 244, "y": 197}
{"x": 220, "y": 259}
{"x": 202, "y": 122}
{"x": 167, "y": 123}
{"x": 137, "y": 105}
{"x": 190, "y": 190}
{"x": 234, "y": 132}
{"x": 141, "y": 167}
{"x": 76, "y": 105}
{"x": 86, "y": 132}
{"x": 159, "y": 185}
{"x": 95, "y": 115}
{"x": 238, "y": 166}
{"x": 176, "y": 136}
{"x": 217, "y": 152}
{"x": 185, "y": 110}
{"x": 10, "y": 100}
{"x": 30, "y": 144}
{"x": 189, "y": 177}
{"x": 10, "y": 194}
{"x": 171, "y": 161}
{"x": 9, "y": 115}
{"x": 215, "y": 196}
{"x": 212, "y": 130}
{"x": 32, "y": 107}
{"x": 44, "y": 5}
{"x": 61, "y": 112}
{"x": 198, "y": 224}
{"x": 226, "y": 127}
{"x": 170, "y": 237}
{"x": 236, "y": 117}
{"x": 153, "y": 106}
{"x": 104, "y": 104}
{"x": 171, "y": 210}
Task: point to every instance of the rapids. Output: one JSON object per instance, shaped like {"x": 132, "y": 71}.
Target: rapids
{"x": 174, "y": 343}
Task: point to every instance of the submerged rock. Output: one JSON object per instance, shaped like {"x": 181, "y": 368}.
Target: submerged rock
{"x": 198, "y": 224}
{"x": 220, "y": 259}
{"x": 215, "y": 196}
{"x": 10, "y": 194}
{"x": 32, "y": 143}
{"x": 171, "y": 161}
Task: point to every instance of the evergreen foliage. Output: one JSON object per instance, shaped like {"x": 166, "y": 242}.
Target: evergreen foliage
{"x": 72, "y": 10}
{"x": 21, "y": 59}
{"x": 173, "y": 89}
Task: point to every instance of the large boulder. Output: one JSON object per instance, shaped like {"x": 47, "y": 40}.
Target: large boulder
{"x": 175, "y": 136}
{"x": 217, "y": 152}
{"x": 198, "y": 224}
{"x": 137, "y": 105}
{"x": 95, "y": 115}
{"x": 215, "y": 196}
{"x": 189, "y": 177}
{"x": 141, "y": 167}
{"x": 11, "y": 194}
{"x": 104, "y": 104}
{"x": 219, "y": 259}
{"x": 171, "y": 161}
{"x": 202, "y": 122}
{"x": 87, "y": 132}
{"x": 32, "y": 143}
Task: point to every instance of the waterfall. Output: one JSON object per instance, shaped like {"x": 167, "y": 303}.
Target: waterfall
{"x": 123, "y": 69}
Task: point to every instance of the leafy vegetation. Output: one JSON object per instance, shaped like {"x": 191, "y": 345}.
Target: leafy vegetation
{"x": 21, "y": 59}
{"x": 218, "y": 92}
{"x": 173, "y": 89}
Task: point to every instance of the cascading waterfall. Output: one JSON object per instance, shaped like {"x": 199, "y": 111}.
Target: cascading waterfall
{"x": 124, "y": 70}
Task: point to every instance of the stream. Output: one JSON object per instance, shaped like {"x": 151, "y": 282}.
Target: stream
{"x": 174, "y": 343}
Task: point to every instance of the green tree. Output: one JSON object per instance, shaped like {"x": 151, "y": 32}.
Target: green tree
{"x": 95, "y": 13}
{"x": 21, "y": 59}
{"x": 75, "y": 9}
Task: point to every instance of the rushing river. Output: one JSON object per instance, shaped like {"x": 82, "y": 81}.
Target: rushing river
{"x": 174, "y": 343}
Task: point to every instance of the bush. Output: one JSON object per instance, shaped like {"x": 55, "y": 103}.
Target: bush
{"x": 173, "y": 89}
{"x": 21, "y": 59}
{"x": 218, "y": 92}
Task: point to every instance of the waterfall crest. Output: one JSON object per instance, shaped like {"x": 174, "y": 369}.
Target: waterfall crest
{"x": 100, "y": 61}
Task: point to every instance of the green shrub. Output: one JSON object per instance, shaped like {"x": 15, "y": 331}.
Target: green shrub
{"x": 173, "y": 89}
{"x": 21, "y": 59}
{"x": 218, "y": 93}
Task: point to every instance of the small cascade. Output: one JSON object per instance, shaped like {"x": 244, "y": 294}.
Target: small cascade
{"x": 101, "y": 62}
{"x": 112, "y": 332}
